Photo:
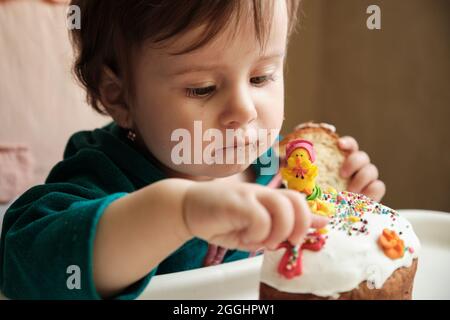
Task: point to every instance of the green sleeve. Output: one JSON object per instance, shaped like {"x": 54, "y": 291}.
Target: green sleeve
{"x": 45, "y": 232}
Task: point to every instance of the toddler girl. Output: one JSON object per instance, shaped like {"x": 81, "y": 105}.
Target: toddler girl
{"x": 121, "y": 207}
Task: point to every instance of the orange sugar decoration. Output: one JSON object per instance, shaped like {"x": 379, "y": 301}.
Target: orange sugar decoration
{"x": 391, "y": 244}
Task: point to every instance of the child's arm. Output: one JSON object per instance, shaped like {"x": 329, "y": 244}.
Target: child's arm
{"x": 140, "y": 230}
{"x": 136, "y": 233}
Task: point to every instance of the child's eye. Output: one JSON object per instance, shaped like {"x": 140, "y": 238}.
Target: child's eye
{"x": 260, "y": 80}
{"x": 207, "y": 91}
{"x": 200, "y": 92}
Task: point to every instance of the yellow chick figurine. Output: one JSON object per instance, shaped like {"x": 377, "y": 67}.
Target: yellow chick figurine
{"x": 300, "y": 172}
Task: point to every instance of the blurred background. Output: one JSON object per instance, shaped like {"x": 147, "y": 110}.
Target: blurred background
{"x": 388, "y": 88}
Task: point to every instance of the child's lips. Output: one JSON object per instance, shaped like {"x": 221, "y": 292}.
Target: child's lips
{"x": 236, "y": 146}
{"x": 247, "y": 144}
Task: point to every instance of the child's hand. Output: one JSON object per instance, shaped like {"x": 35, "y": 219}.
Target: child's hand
{"x": 247, "y": 216}
{"x": 364, "y": 175}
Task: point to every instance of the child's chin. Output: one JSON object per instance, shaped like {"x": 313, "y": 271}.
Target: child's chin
{"x": 225, "y": 170}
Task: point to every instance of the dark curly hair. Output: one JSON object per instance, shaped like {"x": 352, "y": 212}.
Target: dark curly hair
{"x": 110, "y": 30}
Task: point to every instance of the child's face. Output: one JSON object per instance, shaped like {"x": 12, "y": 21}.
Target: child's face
{"x": 237, "y": 87}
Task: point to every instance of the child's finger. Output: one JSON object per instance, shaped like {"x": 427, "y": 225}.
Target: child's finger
{"x": 348, "y": 144}
{"x": 303, "y": 216}
{"x": 282, "y": 217}
{"x": 363, "y": 178}
{"x": 353, "y": 163}
{"x": 375, "y": 190}
{"x": 259, "y": 224}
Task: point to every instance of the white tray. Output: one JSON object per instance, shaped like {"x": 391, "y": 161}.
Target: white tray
{"x": 240, "y": 279}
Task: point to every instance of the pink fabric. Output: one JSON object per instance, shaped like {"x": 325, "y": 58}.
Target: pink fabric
{"x": 49, "y": 1}
{"x": 41, "y": 104}
{"x": 216, "y": 254}
{"x": 16, "y": 171}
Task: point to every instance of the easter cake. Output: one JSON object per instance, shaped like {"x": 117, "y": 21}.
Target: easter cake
{"x": 367, "y": 250}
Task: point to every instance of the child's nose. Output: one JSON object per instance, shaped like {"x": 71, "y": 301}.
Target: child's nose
{"x": 239, "y": 110}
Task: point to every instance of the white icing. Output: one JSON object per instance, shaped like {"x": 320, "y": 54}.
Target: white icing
{"x": 346, "y": 261}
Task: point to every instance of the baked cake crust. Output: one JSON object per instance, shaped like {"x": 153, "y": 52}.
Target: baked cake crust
{"x": 398, "y": 286}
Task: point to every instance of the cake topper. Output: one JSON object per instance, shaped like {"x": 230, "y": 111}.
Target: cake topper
{"x": 300, "y": 174}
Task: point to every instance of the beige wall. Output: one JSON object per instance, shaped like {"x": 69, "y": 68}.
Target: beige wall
{"x": 389, "y": 88}
{"x": 41, "y": 105}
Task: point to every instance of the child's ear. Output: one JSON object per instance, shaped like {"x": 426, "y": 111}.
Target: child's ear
{"x": 111, "y": 91}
